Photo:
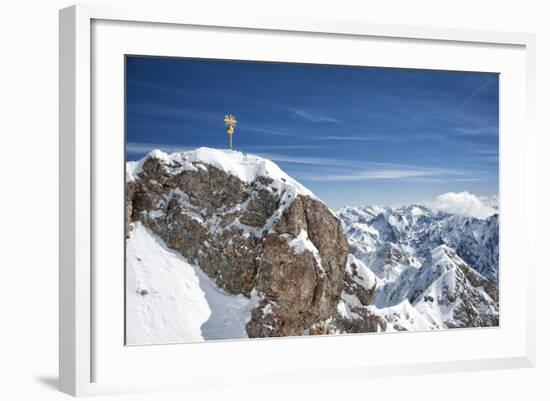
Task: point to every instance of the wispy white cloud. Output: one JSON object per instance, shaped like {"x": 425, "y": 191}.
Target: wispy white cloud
{"x": 352, "y": 138}
{"x": 487, "y": 156}
{"x": 482, "y": 130}
{"x": 475, "y": 93}
{"x": 261, "y": 130}
{"x": 280, "y": 147}
{"x": 141, "y": 147}
{"x": 379, "y": 174}
{"x": 341, "y": 170}
{"x": 487, "y": 152}
{"x": 416, "y": 175}
{"x": 149, "y": 85}
{"x": 163, "y": 111}
{"x": 313, "y": 117}
{"x": 315, "y": 161}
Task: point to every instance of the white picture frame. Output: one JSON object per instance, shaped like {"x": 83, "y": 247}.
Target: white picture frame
{"x": 84, "y": 349}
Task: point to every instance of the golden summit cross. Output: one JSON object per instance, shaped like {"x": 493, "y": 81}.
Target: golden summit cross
{"x": 230, "y": 122}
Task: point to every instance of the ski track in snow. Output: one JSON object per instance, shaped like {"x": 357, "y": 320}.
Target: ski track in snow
{"x": 169, "y": 300}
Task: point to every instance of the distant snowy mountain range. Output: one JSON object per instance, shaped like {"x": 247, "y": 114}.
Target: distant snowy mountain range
{"x": 390, "y": 238}
{"x": 437, "y": 267}
{"x": 222, "y": 245}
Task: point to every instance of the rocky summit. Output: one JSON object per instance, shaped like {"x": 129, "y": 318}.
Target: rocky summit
{"x": 224, "y": 245}
{"x": 251, "y": 228}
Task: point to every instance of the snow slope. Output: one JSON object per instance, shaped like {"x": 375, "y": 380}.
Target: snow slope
{"x": 169, "y": 300}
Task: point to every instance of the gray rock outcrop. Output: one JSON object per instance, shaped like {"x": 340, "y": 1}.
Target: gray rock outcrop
{"x": 259, "y": 236}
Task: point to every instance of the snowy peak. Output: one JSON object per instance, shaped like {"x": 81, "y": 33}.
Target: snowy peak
{"x": 445, "y": 291}
{"x": 245, "y": 167}
{"x": 457, "y": 295}
{"x": 434, "y": 268}
{"x": 445, "y": 257}
{"x": 416, "y": 230}
{"x": 251, "y": 229}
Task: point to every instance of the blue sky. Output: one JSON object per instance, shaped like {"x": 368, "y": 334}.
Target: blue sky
{"x": 353, "y": 135}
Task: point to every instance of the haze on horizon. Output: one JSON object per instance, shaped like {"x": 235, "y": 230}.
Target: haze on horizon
{"x": 353, "y": 135}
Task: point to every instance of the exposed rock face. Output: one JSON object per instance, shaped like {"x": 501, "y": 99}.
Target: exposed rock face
{"x": 251, "y": 231}
{"x": 304, "y": 287}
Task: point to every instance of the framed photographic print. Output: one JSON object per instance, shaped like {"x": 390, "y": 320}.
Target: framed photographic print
{"x": 310, "y": 193}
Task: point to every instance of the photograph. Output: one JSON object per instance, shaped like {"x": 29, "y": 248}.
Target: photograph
{"x": 274, "y": 199}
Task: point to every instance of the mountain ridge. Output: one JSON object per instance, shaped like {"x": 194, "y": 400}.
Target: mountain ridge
{"x": 257, "y": 233}
{"x": 252, "y": 229}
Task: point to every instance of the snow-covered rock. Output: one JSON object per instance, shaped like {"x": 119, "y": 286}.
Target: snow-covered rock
{"x": 443, "y": 293}
{"x": 246, "y": 167}
{"x": 249, "y": 228}
{"x": 443, "y": 266}
{"x": 446, "y": 291}
{"x": 387, "y": 239}
{"x": 225, "y": 245}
